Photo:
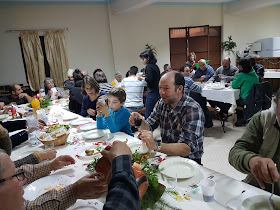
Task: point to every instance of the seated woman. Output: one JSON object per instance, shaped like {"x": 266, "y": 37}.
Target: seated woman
{"x": 244, "y": 80}
{"x": 52, "y": 91}
{"x": 75, "y": 92}
{"x": 7, "y": 145}
{"x": 91, "y": 92}
{"x": 190, "y": 85}
{"x": 101, "y": 79}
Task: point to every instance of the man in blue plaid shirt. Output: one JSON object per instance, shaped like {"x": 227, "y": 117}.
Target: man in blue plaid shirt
{"x": 180, "y": 118}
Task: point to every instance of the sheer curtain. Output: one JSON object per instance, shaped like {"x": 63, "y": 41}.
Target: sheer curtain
{"x": 56, "y": 56}
{"x": 34, "y": 59}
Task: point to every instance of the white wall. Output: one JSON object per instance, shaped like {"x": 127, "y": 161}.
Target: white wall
{"x": 131, "y": 31}
{"x": 250, "y": 27}
{"x": 88, "y": 40}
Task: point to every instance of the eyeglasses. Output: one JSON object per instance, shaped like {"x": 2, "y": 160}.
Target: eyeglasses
{"x": 20, "y": 176}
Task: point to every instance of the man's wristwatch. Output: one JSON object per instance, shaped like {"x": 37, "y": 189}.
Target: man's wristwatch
{"x": 158, "y": 142}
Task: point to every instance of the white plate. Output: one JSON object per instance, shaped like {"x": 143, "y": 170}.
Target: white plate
{"x": 28, "y": 152}
{"x": 3, "y": 116}
{"x": 259, "y": 202}
{"x": 91, "y": 204}
{"x": 95, "y": 134}
{"x": 139, "y": 146}
{"x": 82, "y": 154}
{"x": 88, "y": 127}
{"x": 41, "y": 186}
{"x": 81, "y": 121}
{"x": 70, "y": 117}
{"x": 218, "y": 87}
{"x": 181, "y": 167}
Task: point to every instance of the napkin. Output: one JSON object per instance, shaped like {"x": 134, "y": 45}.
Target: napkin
{"x": 236, "y": 202}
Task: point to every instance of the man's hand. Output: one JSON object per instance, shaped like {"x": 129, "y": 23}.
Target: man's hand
{"x": 2, "y": 104}
{"x": 21, "y": 95}
{"x": 61, "y": 161}
{"x": 118, "y": 148}
{"x": 47, "y": 154}
{"x": 148, "y": 139}
{"x": 202, "y": 77}
{"x": 90, "y": 187}
{"x": 41, "y": 124}
{"x": 91, "y": 112}
{"x": 135, "y": 115}
{"x": 221, "y": 76}
{"x": 264, "y": 170}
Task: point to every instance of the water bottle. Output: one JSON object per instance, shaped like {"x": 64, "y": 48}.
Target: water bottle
{"x": 42, "y": 92}
{"x": 32, "y": 122}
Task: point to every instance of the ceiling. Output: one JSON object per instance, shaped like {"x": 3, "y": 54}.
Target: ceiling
{"x": 232, "y": 7}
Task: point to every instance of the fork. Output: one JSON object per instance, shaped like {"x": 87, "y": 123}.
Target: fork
{"x": 270, "y": 198}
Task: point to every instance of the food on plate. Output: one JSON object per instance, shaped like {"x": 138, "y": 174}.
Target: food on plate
{"x": 90, "y": 152}
{"x": 52, "y": 128}
{"x": 57, "y": 187}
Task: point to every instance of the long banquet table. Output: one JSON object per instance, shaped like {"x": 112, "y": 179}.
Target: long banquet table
{"x": 226, "y": 187}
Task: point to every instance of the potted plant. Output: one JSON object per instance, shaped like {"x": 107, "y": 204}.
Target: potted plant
{"x": 229, "y": 45}
{"x": 151, "y": 48}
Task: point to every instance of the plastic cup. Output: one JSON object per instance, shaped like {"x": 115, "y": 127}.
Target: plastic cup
{"x": 208, "y": 189}
{"x": 170, "y": 182}
{"x": 137, "y": 122}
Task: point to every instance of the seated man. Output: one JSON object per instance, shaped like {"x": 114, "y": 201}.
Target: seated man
{"x": 203, "y": 74}
{"x": 227, "y": 73}
{"x": 257, "y": 151}
{"x": 180, "y": 118}
{"x": 134, "y": 89}
{"x": 190, "y": 85}
{"x": 166, "y": 68}
{"x": 89, "y": 187}
{"x": 259, "y": 69}
{"x": 17, "y": 96}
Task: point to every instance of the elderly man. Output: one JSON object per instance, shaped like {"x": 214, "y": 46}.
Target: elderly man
{"x": 17, "y": 96}
{"x": 122, "y": 189}
{"x": 180, "y": 119}
{"x": 166, "y": 68}
{"x": 257, "y": 151}
{"x": 227, "y": 73}
{"x": 204, "y": 72}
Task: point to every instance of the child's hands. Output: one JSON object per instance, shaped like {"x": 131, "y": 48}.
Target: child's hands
{"x": 91, "y": 112}
{"x": 103, "y": 108}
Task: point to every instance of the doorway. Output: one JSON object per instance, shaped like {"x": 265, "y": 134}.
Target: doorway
{"x": 204, "y": 41}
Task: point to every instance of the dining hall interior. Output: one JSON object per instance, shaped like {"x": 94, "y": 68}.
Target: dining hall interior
{"x": 110, "y": 35}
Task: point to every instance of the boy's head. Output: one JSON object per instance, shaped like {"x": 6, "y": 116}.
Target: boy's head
{"x": 116, "y": 99}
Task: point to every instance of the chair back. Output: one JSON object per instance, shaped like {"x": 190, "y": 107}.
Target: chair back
{"x": 258, "y": 99}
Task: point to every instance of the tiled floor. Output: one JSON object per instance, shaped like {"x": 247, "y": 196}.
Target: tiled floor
{"x": 217, "y": 146}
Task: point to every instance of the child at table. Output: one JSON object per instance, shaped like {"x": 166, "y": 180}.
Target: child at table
{"x": 116, "y": 116}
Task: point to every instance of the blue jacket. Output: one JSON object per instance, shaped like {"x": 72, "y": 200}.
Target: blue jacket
{"x": 117, "y": 121}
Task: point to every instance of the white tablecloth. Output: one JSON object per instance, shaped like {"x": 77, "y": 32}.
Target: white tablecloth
{"x": 226, "y": 95}
{"x": 226, "y": 187}
{"x": 269, "y": 74}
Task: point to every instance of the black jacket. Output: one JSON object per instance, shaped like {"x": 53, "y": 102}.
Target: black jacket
{"x": 76, "y": 97}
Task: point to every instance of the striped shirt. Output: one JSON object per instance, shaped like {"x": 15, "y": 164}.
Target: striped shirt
{"x": 134, "y": 91}
{"x": 190, "y": 85}
{"x": 183, "y": 124}
{"x": 106, "y": 87}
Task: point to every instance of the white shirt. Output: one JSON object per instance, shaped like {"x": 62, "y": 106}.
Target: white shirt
{"x": 134, "y": 91}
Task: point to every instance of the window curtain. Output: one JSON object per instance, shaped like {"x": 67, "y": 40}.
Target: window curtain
{"x": 34, "y": 59}
{"x": 56, "y": 56}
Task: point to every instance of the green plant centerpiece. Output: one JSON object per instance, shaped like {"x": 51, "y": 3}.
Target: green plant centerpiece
{"x": 228, "y": 45}
{"x": 152, "y": 198}
{"x": 43, "y": 103}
